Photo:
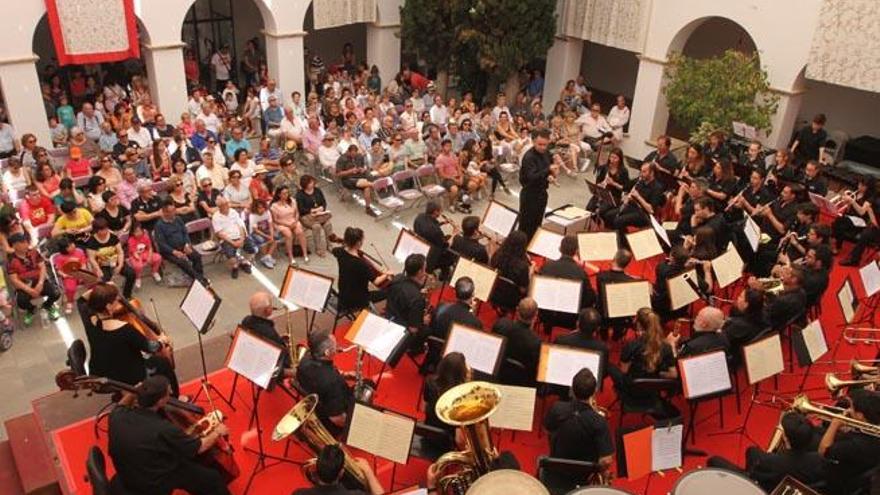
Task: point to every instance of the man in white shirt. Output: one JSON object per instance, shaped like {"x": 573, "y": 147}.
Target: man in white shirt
{"x": 194, "y": 104}
{"x": 209, "y": 170}
{"x": 328, "y": 153}
{"x": 90, "y": 121}
{"x": 212, "y": 122}
{"x": 270, "y": 89}
{"x": 618, "y": 117}
{"x": 500, "y": 106}
{"x": 221, "y": 62}
{"x": 139, "y": 134}
{"x": 593, "y": 125}
{"x": 439, "y": 113}
{"x": 408, "y": 117}
{"x": 7, "y": 140}
{"x": 291, "y": 127}
{"x": 234, "y": 241}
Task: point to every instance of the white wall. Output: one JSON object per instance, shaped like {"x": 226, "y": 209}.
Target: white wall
{"x": 849, "y": 110}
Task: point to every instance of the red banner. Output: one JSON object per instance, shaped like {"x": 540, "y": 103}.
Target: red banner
{"x": 93, "y": 31}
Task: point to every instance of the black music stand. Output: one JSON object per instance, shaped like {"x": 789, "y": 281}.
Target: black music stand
{"x": 200, "y": 305}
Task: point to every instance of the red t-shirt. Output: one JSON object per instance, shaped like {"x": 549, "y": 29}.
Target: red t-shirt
{"x": 79, "y": 168}
{"x": 418, "y": 81}
{"x": 447, "y": 165}
{"x": 27, "y": 268}
{"x": 38, "y": 214}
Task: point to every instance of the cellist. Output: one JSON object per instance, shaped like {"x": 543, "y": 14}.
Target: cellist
{"x": 117, "y": 347}
{"x": 153, "y": 455}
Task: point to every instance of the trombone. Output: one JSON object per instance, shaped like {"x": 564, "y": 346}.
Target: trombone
{"x": 803, "y": 405}
{"x": 851, "y": 335}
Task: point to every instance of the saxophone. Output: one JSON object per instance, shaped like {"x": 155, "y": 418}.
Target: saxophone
{"x": 467, "y": 406}
{"x": 363, "y": 389}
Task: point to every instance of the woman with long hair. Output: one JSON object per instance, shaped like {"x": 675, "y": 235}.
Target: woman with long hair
{"x": 614, "y": 177}
{"x": 649, "y": 355}
{"x": 47, "y": 181}
{"x": 512, "y": 264}
{"x": 722, "y": 182}
{"x": 859, "y": 204}
{"x": 451, "y": 371}
{"x": 695, "y": 163}
{"x": 160, "y": 160}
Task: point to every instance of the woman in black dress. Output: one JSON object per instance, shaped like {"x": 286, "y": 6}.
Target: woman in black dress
{"x": 514, "y": 270}
{"x": 117, "y": 348}
{"x": 452, "y": 370}
{"x": 614, "y": 177}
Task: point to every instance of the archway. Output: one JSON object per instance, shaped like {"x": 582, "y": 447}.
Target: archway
{"x": 211, "y": 24}
{"x": 706, "y": 38}
{"x": 68, "y": 80}
{"x": 328, "y": 43}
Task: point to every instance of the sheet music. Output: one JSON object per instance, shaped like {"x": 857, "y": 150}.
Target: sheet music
{"x": 857, "y": 221}
{"x": 253, "y": 358}
{"x": 572, "y": 213}
{"x": 739, "y": 128}
{"x": 306, "y": 289}
{"x": 378, "y": 336}
{"x": 666, "y": 447}
{"x": 545, "y": 243}
{"x": 481, "y": 350}
{"x": 498, "y": 219}
{"x": 728, "y": 267}
{"x": 764, "y": 358}
{"x": 597, "y": 246}
{"x": 197, "y": 305}
{"x": 559, "y": 364}
{"x": 407, "y": 244}
{"x": 516, "y": 411}
{"x": 824, "y": 204}
{"x": 644, "y": 244}
{"x": 627, "y": 298}
{"x": 386, "y": 435}
{"x": 483, "y": 277}
{"x": 556, "y": 294}
{"x": 660, "y": 230}
{"x": 814, "y": 339}
{"x": 846, "y": 298}
{"x": 753, "y": 233}
{"x": 749, "y": 132}
{"x": 680, "y": 292}
{"x": 870, "y": 274}
{"x": 704, "y": 374}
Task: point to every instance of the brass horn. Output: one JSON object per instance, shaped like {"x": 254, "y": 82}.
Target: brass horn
{"x": 851, "y": 335}
{"x": 803, "y": 405}
{"x": 302, "y": 421}
{"x": 835, "y": 385}
{"x": 468, "y": 407}
{"x": 859, "y": 369}
{"x": 771, "y": 285}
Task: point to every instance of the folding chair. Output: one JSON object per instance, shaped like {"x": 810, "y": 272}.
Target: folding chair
{"x": 386, "y": 196}
{"x": 407, "y": 187}
{"x": 428, "y": 183}
{"x": 204, "y": 231}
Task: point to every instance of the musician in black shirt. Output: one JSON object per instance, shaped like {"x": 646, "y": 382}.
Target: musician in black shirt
{"x": 406, "y": 305}
{"x": 809, "y": 142}
{"x": 318, "y": 375}
{"x": 662, "y": 157}
{"x": 152, "y": 455}
{"x": 578, "y": 431}
{"x": 459, "y": 311}
{"x": 795, "y": 459}
{"x": 522, "y": 343}
{"x": 534, "y": 176}
{"x": 852, "y": 453}
{"x": 356, "y": 274}
{"x": 589, "y": 321}
{"x": 259, "y": 323}
{"x": 706, "y": 337}
{"x": 645, "y": 197}
{"x": 329, "y": 472}
{"x": 684, "y": 207}
{"x": 427, "y": 226}
{"x": 722, "y": 182}
{"x": 783, "y": 171}
{"x": 788, "y": 304}
{"x": 467, "y": 244}
{"x": 615, "y": 274}
{"x": 813, "y": 180}
{"x": 746, "y": 321}
{"x": 753, "y": 196}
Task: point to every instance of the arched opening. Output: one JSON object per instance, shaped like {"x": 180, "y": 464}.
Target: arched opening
{"x": 706, "y": 38}
{"x": 609, "y": 72}
{"x": 328, "y": 43}
{"x": 209, "y": 26}
{"x": 74, "y": 82}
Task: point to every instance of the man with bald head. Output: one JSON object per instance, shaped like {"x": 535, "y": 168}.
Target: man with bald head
{"x": 258, "y": 322}
{"x": 522, "y": 344}
{"x": 707, "y": 336}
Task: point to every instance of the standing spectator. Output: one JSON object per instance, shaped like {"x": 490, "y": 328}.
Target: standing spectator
{"x": 251, "y": 113}
{"x": 173, "y": 243}
{"x": 221, "y": 64}
{"x": 8, "y": 145}
{"x": 250, "y": 62}
{"x": 65, "y": 113}
{"x": 191, "y": 68}
{"x": 27, "y": 273}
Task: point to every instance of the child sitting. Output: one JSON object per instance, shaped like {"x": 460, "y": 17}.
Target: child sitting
{"x": 141, "y": 254}
{"x": 69, "y": 258}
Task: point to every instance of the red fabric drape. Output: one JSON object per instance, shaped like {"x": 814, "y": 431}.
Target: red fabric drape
{"x": 65, "y": 57}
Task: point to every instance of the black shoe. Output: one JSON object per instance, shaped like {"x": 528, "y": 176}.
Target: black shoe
{"x": 235, "y": 273}
{"x": 849, "y": 262}
{"x": 246, "y": 267}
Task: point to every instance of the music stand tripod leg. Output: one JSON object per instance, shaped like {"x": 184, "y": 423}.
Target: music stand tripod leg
{"x": 207, "y": 386}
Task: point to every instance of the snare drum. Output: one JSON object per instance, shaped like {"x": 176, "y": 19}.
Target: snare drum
{"x": 507, "y": 482}
{"x": 714, "y": 480}
{"x": 598, "y": 490}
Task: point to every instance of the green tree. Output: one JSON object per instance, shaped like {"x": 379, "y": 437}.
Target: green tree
{"x": 705, "y": 95}
{"x": 428, "y": 31}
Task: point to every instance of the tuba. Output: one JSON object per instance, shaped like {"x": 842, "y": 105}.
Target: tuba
{"x": 302, "y": 421}
{"x": 771, "y": 285}
{"x": 468, "y": 407}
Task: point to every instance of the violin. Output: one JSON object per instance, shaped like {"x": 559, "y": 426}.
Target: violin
{"x": 133, "y": 314}
{"x": 377, "y": 268}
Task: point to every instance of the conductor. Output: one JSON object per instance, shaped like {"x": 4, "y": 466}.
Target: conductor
{"x": 534, "y": 177}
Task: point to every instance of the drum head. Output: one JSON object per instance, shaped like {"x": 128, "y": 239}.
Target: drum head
{"x": 714, "y": 480}
{"x": 507, "y": 482}
{"x": 598, "y": 490}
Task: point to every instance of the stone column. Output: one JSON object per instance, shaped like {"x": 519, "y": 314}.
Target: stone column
{"x": 785, "y": 119}
{"x": 24, "y": 102}
{"x": 649, "y": 111}
{"x": 167, "y": 79}
{"x": 383, "y": 49}
{"x": 563, "y": 63}
{"x": 285, "y": 57}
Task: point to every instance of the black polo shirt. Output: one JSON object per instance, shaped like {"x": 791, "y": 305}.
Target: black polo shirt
{"x": 470, "y": 249}
{"x": 522, "y": 343}
{"x": 809, "y": 142}
{"x": 667, "y": 161}
{"x": 703, "y": 342}
{"x": 851, "y": 455}
{"x": 147, "y": 449}
{"x": 405, "y": 304}
{"x": 320, "y": 376}
{"x": 578, "y": 432}
{"x": 817, "y": 185}
{"x": 151, "y": 205}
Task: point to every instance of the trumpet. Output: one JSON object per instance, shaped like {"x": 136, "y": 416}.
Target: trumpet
{"x": 851, "y": 335}
{"x": 839, "y": 199}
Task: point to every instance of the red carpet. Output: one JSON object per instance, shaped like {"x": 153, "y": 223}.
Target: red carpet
{"x": 399, "y": 390}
